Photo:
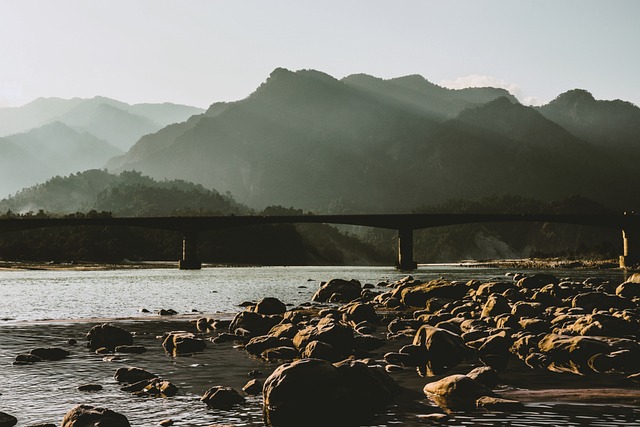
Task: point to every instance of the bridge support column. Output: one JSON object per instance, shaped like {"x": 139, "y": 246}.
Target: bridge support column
{"x": 405, "y": 250}
{"x": 630, "y": 248}
{"x": 190, "y": 259}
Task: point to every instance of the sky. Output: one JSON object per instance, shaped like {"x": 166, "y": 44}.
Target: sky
{"x": 197, "y": 52}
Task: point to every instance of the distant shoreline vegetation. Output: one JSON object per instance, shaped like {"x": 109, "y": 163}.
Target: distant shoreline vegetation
{"x": 103, "y": 194}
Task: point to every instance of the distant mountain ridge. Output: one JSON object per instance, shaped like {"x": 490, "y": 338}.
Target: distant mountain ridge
{"x": 116, "y": 122}
{"x": 364, "y": 144}
{"x": 53, "y": 149}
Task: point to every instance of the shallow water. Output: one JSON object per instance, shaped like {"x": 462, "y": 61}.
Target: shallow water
{"x": 45, "y": 391}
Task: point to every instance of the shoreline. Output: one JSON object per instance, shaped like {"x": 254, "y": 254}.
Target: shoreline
{"x": 524, "y": 264}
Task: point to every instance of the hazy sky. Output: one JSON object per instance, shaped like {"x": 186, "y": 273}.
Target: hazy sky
{"x": 198, "y": 52}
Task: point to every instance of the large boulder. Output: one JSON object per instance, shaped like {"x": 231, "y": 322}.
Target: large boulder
{"x": 132, "y": 375}
{"x": 313, "y": 392}
{"x": 338, "y": 290}
{"x": 7, "y": 420}
{"x": 255, "y": 323}
{"x": 456, "y": 392}
{"x": 601, "y": 301}
{"x": 220, "y": 397}
{"x": 108, "y": 336}
{"x": 572, "y": 354}
{"x": 333, "y": 332}
{"x": 270, "y": 305}
{"x": 179, "y": 343}
{"x": 439, "y": 350}
{"x": 90, "y": 416}
{"x": 418, "y": 295}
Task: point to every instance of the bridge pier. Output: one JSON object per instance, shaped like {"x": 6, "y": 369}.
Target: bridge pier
{"x": 190, "y": 259}
{"x": 405, "y": 250}
{"x": 630, "y": 248}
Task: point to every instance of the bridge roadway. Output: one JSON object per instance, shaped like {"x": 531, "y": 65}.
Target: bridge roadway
{"x": 405, "y": 224}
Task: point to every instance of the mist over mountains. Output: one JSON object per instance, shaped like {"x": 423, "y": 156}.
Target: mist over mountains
{"x": 364, "y": 144}
{"x": 310, "y": 142}
{"x": 52, "y": 136}
{"x": 359, "y": 144}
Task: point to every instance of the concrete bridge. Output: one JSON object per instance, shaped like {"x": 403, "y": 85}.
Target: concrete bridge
{"x": 405, "y": 224}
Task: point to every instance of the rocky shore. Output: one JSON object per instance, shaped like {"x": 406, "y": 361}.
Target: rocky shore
{"x": 360, "y": 351}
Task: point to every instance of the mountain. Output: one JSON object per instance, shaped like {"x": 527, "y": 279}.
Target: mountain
{"x": 116, "y": 122}
{"x": 53, "y": 149}
{"x": 415, "y": 93}
{"x": 363, "y": 144}
{"x": 613, "y": 126}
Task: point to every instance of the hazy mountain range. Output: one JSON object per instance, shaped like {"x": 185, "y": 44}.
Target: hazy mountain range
{"x": 52, "y": 136}
{"x": 364, "y": 144}
{"x": 359, "y": 144}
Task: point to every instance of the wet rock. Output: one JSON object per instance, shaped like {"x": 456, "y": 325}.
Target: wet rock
{"x": 108, "y": 336}
{"x": 629, "y": 289}
{"x": 360, "y": 312}
{"x": 220, "y": 397}
{"x": 90, "y": 387}
{"x": 50, "y": 353}
{"x": 486, "y": 375}
{"x": 456, "y": 392}
{"x": 87, "y": 415}
{"x": 496, "y": 305}
{"x": 353, "y": 390}
{"x": 132, "y": 375}
{"x": 179, "y": 343}
{"x": 26, "y": 359}
{"x": 280, "y": 354}
{"x": 491, "y": 403}
{"x": 320, "y": 350}
{"x": 155, "y": 387}
{"x": 338, "y": 290}
{"x": 253, "y": 387}
{"x": 254, "y": 323}
{"x": 167, "y": 312}
{"x": 601, "y": 301}
{"x": 443, "y": 350}
{"x": 335, "y": 333}
{"x": 7, "y": 420}
{"x": 537, "y": 281}
{"x": 572, "y": 353}
{"x": 269, "y": 306}
{"x": 418, "y": 295}
{"x": 166, "y": 423}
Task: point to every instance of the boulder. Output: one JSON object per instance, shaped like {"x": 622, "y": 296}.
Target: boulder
{"x": 87, "y": 415}
{"x": 338, "y": 290}
{"x": 108, "y": 336}
{"x": 338, "y": 334}
{"x": 179, "y": 343}
{"x": 496, "y": 304}
{"x": 132, "y": 375}
{"x": 629, "y": 289}
{"x": 253, "y": 387}
{"x": 567, "y": 353}
{"x": 418, "y": 295}
{"x": 601, "y": 301}
{"x": 254, "y": 323}
{"x": 442, "y": 350}
{"x": 312, "y": 392}
{"x": 220, "y": 397}
{"x": 456, "y": 392}
{"x": 360, "y": 312}
{"x": 270, "y": 305}
{"x": 7, "y": 420}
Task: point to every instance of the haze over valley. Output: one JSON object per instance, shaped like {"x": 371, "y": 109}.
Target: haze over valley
{"x": 309, "y": 142}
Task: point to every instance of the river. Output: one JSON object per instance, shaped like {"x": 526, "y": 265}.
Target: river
{"x": 41, "y": 308}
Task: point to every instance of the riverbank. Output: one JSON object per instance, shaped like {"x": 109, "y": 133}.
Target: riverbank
{"x": 510, "y": 264}
{"x": 45, "y": 391}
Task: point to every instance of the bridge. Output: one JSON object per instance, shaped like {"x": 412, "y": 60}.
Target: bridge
{"x": 405, "y": 224}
